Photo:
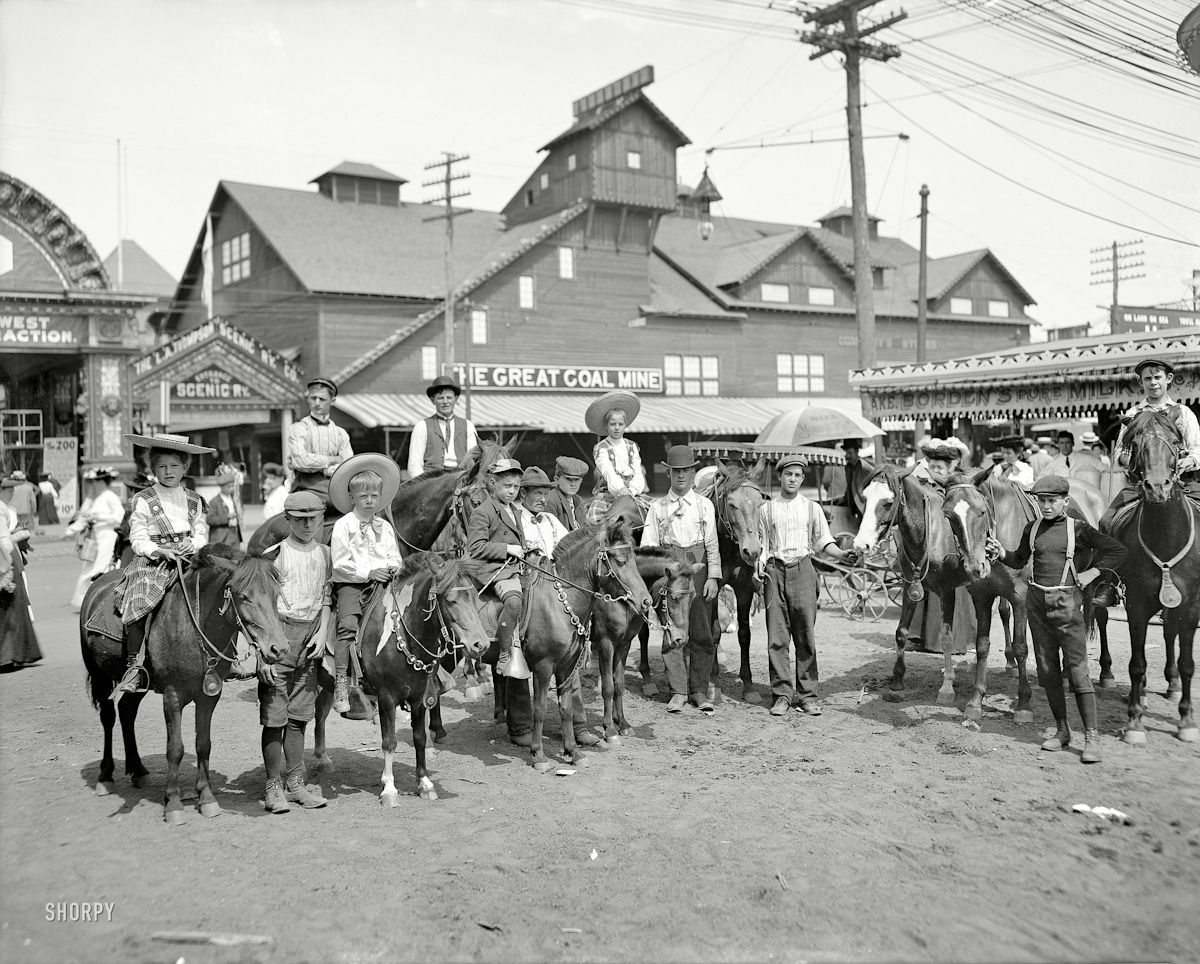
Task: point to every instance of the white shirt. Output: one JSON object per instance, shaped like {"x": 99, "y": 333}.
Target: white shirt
{"x": 275, "y": 499}
{"x": 1185, "y": 419}
{"x": 142, "y": 524}
{"x": 791, "y": 529}
{"x": 619, "y": 463}
{"x": 104, "y": 512}
{"x": 1078, "y": 460}
{"x": 683, "y": 521}
{"x": 1019, "y": 472}
{"x": 358, "y": 547}
{"x": 313, "y": 446}
{"x": 542, "y": 532}
{"x": 420, "y": 438}
{"x": 304, "y": 572}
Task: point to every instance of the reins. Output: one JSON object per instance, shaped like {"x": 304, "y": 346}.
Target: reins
{"x": 214, "y": 654}
{"x": 553, "y": 574}
{"x": 449, "y": 643}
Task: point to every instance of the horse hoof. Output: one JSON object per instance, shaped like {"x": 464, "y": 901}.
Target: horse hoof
{"x": 1106, "y": 682}
{"x": 1188, "y": 734}
{"x": 325, "y": 765}
{"x": 973, "y": 712}
{"x": 945, "y": 697}
{"x": 105, "y": 787}
{"x": 1023, "y": 716}
{"x": 579, "y": 762}
{"x": 543, "y": 766}
{"x": 614, "y": 740}
{"x": 473, "y": 693}
{"x": 1010, "y": 667}
{"x": 173, "y": 817}
{"x": 752, "y": 697}
{"x": 390, "y": 798}
{"x": 439, "y": 736}
{"x": 895, "y": 696}
{"x": 210, "y": 809}
{"x": 1135, "y": 737}
{"x": 140, "y": 780}
{"x": 649, "y": 689}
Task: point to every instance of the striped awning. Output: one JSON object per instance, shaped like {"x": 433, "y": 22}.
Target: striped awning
{"x": 563, "y": 413}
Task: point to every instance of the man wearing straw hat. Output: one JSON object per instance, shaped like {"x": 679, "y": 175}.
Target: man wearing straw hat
{"x": 687, "y": 519}
{"x": 442, "y": 440}
{"x": 316, "y": 446}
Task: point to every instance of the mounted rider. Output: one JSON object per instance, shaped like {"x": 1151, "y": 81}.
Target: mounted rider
{"x": 618, "y": 459}
{"x": 1156, "y": 376}
{"x": 442, "y": 440}
{"x": 564, "y": 500}
{"x": 316, "y": 446}
{"x": 942, "y": 458}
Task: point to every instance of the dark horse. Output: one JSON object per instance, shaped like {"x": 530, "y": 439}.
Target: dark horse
{"x": 974, "y": 510}
{"x": 669, "y": 579}
{"x": 409, "y": 628}
{"x": 593, "y": 562}
{"x": 1162, "y": 570}
{"x": 191, "y": 637}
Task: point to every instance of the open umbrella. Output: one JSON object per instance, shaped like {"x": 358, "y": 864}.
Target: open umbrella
{"x": 814, "y": 423}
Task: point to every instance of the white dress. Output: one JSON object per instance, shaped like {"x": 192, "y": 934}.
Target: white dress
{"x": 105, "y": 513}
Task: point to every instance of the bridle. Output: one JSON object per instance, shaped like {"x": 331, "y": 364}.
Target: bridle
{"x": 449, "y": 644}
{"x": 991, "y": 511}
{"x": 920, "y": 569}
{"x": 663, "y": 610}
{"x": 609, "y": 571}
{"x": 213, "y": 654}
{"x": 721, "y": 495}
{"x": 1144, "y": 439}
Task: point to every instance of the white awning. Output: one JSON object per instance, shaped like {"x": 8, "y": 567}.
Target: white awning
{"x": 563, "y": 413}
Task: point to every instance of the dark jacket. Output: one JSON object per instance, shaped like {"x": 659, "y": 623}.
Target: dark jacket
{"x": 489, "y": 534}
{"x": 223, "y": 527}
{"x": 556, "y": 504}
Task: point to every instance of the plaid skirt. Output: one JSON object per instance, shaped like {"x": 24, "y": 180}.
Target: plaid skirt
{"x": 144, "y": 586}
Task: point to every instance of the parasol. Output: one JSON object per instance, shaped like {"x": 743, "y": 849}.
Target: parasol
{"x": 814, "y": 423}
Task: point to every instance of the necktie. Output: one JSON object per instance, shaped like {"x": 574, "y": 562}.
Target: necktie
{"x": 1068, "y": 461}
{"x": 317, "y": 421}
{"x": 537, "y": 518}
{"x": 571, "y": 512}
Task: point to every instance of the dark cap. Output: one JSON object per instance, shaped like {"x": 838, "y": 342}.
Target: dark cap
{"x": 565, "y": 465}
{"x": 322, "y": 382}
{"x": 1050, "y": 485}
{"x": 1158, "y": 362}
{"x": 441, "y": 382}
{"x": 852, "y": 443}
{"x": 787, "y": 461}
{"x": 680, "y": 457}
{"x": 534, "y": 478}
{"x": 304, "y": 503}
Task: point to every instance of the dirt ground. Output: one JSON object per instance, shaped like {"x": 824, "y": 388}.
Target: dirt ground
{"x": 878, "y": 832}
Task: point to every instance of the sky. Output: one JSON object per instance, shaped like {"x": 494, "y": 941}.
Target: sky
{"x": 1043, "y": 131}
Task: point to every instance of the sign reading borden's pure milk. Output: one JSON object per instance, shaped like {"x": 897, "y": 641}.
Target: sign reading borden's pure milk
{"x": 562, "y": 378}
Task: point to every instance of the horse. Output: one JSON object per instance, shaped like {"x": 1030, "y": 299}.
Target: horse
{"x": 927, "y": 553}
{"x": 975, "y": 509}
{"x": 669, "y": 579}
{"x": 434, "y": 616}
{"x": 1162, "y": 570}
{"x": 190, "y": 648}
{"x": 594, "y": 562}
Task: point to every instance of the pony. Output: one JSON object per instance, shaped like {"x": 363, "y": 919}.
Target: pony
{"x": 190, "y": 649}
{"x": 1162, "y": 570}
{"x": 593, "y": 563}
{"x": 669, "y": 580}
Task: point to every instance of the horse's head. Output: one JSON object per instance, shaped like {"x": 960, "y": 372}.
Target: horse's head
{"x": 674, "y": 592}
{"x": 1154, "y": 444}
{"x": 737, "y": 499}
{"x": 454, "y": 588}
{"x": 881, "y": 496}
{"x": 251, "y": 596}
{"x": 971, "y": 520}
{"x": 610, "y": 544}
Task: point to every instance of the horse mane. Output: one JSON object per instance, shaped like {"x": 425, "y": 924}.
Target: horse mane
{"x": 253, "y": 570}
{"x": 1159, "y": 418}
{"x": 408, "y": 484}
{"x": 616, "y": 529}
{"x": 445, "y": 571}
{"x": 480, "y": 459}
{"x": 656, "y": 552}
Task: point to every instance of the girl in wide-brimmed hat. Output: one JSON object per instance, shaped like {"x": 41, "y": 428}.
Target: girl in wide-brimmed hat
{"x": 618, "y": 460}
{"x": 166, "y": 523}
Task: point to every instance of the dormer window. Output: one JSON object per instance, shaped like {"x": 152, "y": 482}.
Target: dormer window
{"x": 235, "y": 258}
{"x": 877, "y": 277}
{"x": 634, "y": 160}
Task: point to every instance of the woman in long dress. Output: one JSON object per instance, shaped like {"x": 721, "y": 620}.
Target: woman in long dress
{"x": 47, "y": 501}
{"x": 18, "y": 637}
{"x": 104, "y": 512}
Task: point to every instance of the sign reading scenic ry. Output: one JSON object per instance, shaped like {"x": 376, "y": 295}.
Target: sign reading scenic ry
{"x": 561, "y": 378}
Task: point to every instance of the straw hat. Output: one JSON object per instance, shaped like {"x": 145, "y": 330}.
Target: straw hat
{"x": 597, "y": 412}
{"x": 173, "y": 443}
{"x": 381, "y": 465}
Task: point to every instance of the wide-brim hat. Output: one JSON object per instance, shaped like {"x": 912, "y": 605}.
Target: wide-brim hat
{"x": 105, "y": 474}
{"x": 442, "y": 382}
{"x": 273, "y": 468}
{"x": 597, "y": 412}
{"x": 680, "y": 457}
{"x": 534, "y": 478}
{"x": 1159, "y": 362}
{"x": 173, "y": 443}
{"x": 19, "y": 476}
{"x": 1050, "y": 485}
{"x": 1089, "y": 438}
{"x": 941, "y": 450}
{"x": 381, "y": 465}
{"x": 1014, "y": 442}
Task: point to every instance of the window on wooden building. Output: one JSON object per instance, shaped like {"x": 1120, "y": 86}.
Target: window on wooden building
{"x": 634, "y": 160}
{"x": 544, "y": 180}
{"x": 529, "y": 197}
{"x": 818, "y": 295}
{"x": 877, "y": 277}
{"x": 570, "y": 162}
{"x": 998, "y": 309}
{"x": 776, "y": 293}
{"x": 691, "y": 374}
{"x": 566, "y": 263}
{"x": 961, "y": 306}
{"x": 235, "y": 258}
{"x": 429, "y": 362}
{"x": 525, "y": 291}
{"x": 479, "y": 331}
{"x": 799, "y": 373}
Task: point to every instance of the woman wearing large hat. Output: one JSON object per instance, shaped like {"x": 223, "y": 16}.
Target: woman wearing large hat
{"x": 618, "y": 461}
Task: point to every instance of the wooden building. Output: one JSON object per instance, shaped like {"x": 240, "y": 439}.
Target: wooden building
{"x": 601, "y": 271}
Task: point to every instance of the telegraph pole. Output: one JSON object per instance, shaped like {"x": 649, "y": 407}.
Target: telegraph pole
{"x": 838, "y": 29}
{"x": 447, "y": 196}
{"x": 922, "y": 307}
{"x": 1114, "y": 264}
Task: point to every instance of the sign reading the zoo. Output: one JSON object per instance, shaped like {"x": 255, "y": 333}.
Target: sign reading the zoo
{"x": 555, "y": 378}
{"x": 212, "y": 384}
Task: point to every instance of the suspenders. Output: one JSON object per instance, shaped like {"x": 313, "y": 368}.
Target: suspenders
{"x": 1067, "y": 579}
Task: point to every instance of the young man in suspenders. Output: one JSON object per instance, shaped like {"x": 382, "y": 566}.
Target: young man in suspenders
{"x": 1061, "y": 548}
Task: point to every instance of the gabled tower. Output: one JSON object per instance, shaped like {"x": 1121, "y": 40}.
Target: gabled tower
{"x": 618, "y": 157}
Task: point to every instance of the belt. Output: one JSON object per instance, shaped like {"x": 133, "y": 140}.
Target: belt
{"x": 173, "y": 539}
{"x": 788, "y": 565}
{"x": 1047, "y": 588}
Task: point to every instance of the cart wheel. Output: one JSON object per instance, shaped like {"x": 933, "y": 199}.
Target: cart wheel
{"x": 862, "y": 594}
{"x": 895, "y": 588}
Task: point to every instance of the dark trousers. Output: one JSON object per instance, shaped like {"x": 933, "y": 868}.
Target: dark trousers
{"x": 690, "y": 671}
{"x": 1059, "y": 637}
{"x": 791, "y": 601}
{"x": 348, "y": 599}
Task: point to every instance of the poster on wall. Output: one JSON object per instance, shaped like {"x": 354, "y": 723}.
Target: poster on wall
{"x": 60, "y": 457}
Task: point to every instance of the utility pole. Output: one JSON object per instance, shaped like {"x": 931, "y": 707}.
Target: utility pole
{"x": 447, "y": 196}
{"x": 838, "y": 29}
{"x": 1113, "y": 265}
{"x": 922, "y": 307}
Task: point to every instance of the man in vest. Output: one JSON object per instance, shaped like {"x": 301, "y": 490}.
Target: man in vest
{"x": 443, "y": 440}
{"x": 316, "y": 447}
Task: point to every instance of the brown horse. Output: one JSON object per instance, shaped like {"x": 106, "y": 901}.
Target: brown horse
{"x": 592, "y": 563}
{"x": 1162, "y": 570}
{"x": 189, "y": 651}
{"x": 669, "y": 579}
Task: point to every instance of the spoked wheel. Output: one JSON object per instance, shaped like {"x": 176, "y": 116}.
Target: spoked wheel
{"x": 862, "y": 595}
{"x": 895, "y": 588}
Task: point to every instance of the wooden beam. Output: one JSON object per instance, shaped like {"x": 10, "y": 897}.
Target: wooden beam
{"x": 621, "y": 227}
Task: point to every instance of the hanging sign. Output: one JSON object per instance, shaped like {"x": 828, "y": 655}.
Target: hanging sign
{"x": 60, "y": 457}
{"x": 212, "y": 385}
{"x": 561, "y": 378}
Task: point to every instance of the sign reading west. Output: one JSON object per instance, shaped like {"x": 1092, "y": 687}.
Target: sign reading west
{"x": 42, "y": 330}
{"x": 561, "y": 378}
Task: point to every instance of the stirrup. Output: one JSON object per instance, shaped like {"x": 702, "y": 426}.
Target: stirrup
{"x": 135, "y": 680}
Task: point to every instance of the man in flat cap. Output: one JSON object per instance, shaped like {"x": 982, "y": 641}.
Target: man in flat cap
{"x": 442, "y": 440}
{"x": 1068, "y": 555}
{"x": 316, "y": 445}
{"x": 564, "y": 500}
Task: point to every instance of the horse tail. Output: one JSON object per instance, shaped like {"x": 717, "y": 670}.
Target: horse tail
{"x": 91, "y": 670}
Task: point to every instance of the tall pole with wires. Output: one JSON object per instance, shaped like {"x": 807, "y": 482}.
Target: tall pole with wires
{"x": 446, "y": 197}
{"x": 922, "y": 305}
{"x": 837, "y": 29}
{"x": 1114, "y": 265}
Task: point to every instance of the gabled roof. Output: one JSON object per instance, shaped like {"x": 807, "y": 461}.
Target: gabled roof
{"x": 359, "y": 169}
{"x": 942, "y": 274}
{"x": 741, "y": 261}
{"x": 140, "y": 272}
{"x": 844, "y": 212}
{"x": 674, "y": 295}
{"x": 590, "y": 120}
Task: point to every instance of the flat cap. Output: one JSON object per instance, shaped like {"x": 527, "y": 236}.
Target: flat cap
{"x": 788, "y": 461}
{"x": 304, "y": 503}
{"x": 1147, "y": 362}
{"x": 505, "y": 466}
{"x": 576, "y": 468}
{"x": 321, "y": 381}
{"x": 1050, "y": 485}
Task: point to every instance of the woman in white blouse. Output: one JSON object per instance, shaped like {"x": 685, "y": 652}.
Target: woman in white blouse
{"x": 103, "y": 511}
{"x": 618, "y": 461}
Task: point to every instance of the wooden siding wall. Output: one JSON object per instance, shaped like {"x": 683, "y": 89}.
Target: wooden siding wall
{"x": 352, "y": 326}
{"x": 653, "y": 185}
{"x": 565, "y": 187}
{"x": 984, "y": 283}
{"x": 799, "y": 267}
